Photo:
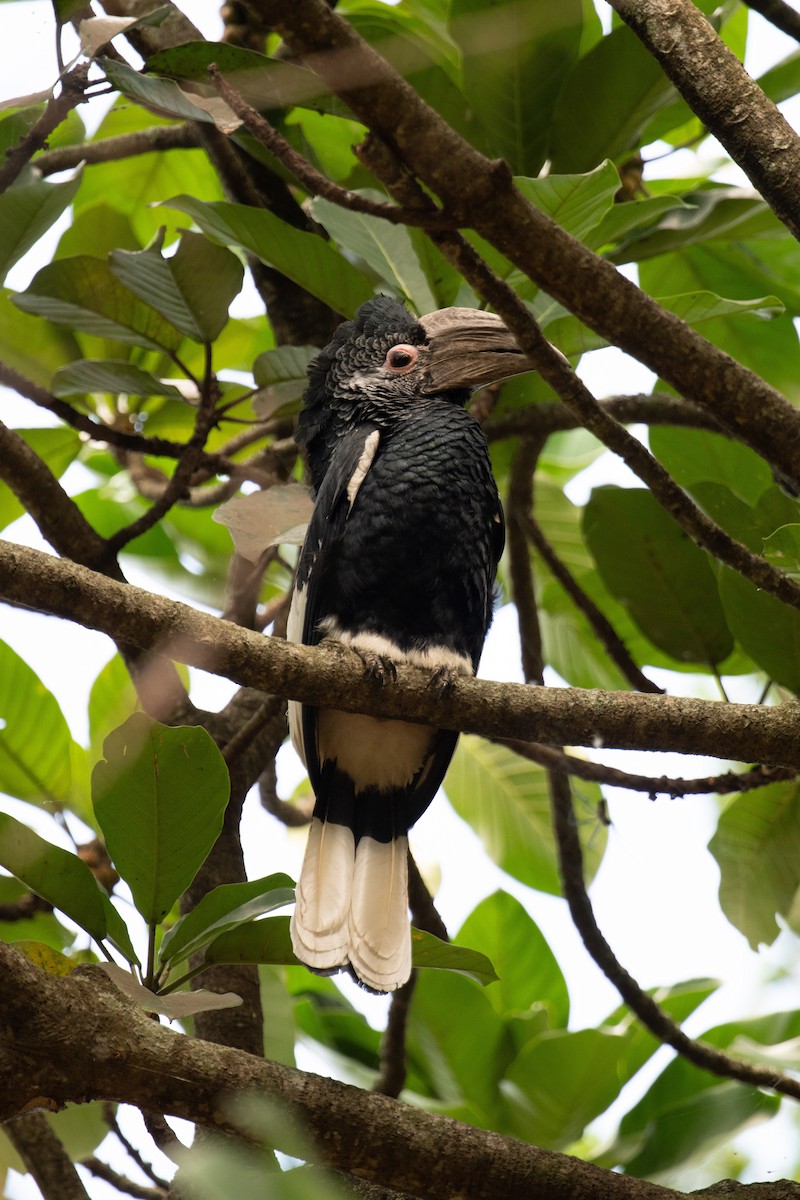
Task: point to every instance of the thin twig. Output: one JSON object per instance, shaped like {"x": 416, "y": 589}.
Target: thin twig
{"x": 662, "y": 785}
{"x": 613, "y": 645}
{"x": 424, "y": 913}
{"x": 39, "y": 1147}
{"x": 58, "y": 108}
{"x": 518, "y": 506}
{"x": 701, "y": 1055}
{"x": 311, "y": 179}
{"x": 103, "y": 1171}
{"x": 294, "y": 816}
{"x": 162, "y": 1134}
{"x": 113, "y": 149}
{"x": 640, "y": 408}
{"x": 184, "y": 469}
{"x": 392, "y": 1076}
{"x": 110, "y": 1118}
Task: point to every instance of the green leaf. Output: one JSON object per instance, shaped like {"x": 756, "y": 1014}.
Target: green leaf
{"x": 223, "y": 908}
{"x": 560, "y": 1082}
{"x": 161, "y": 95}
{"x": 724, "y": 214}
{"x": 446, "y": 1012}
{"x": 159, "y": 796}
{"x": 605, "y": 102}
{"x": 108, "y": 375}
{"x": 33, "y": 349}
{"x": 660, "y": 576}
{"x": 54, "y": 874}
{"x": 506, "y": 801}
{"x": 112, "y": 699}
{"x": 41, "y": 927}
{"x": 57, "y": 446}
{"x": 34, "y": 736}
{"x": 26, "y": 212}
{"x": 695, "y": 456}
{"x": 767, "y": 630}
{"x": 264, "y": 83}
{"x": 265, "y": 941}
{"x": 117, "y": 931}
{"x": 757, "y": 847}
{"x": 683, "y": 1131}
{"x": 83, "y": 293}
{"x": 517, "y": 54}
{"x": 303, "y": 257}
{"x": 578, "y": 203}
{"x": 387, "y": 248}
{"x": 528, "y": 974}
{"x": 97, "y": 231}
{"x": 782, "y": 549}
{"x": 193, "y": 289}
{"x": 430, "y": 951}
{"x": 281, "y": 375}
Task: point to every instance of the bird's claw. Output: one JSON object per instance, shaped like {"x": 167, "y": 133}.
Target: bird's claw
{"x": 377, "y": 667}
{"x": 443, "y": 678}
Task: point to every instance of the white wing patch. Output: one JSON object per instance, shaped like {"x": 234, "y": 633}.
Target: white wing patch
{"x": 363, "y": 465}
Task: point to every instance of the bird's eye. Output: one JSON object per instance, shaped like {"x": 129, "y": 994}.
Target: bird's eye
{"x": 401, "y": 359}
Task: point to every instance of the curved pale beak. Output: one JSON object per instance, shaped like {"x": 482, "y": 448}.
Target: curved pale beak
{"x": 468, "y": 348}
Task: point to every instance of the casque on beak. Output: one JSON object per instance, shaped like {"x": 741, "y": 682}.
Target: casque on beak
{"x": 468, "y": 348}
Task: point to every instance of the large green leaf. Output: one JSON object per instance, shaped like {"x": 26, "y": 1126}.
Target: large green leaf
{"x": 33, "y": 349}
{"x": 578, "y": 203}
{"x": 83, "y": 293}
{"x": 34, "y": 736}
{"x": 224, "y": 908}
{"x": 697, "y": 456}
{"x": 687, "y": 1110}
{"x": 387, "y": 248}
{"x": 265, "y": 83}
{"x": 447, "y": 1011}
{"x": 506, "y": 800}
{"x": 767, "y": 630}
{"x": 528, "y": 974}
{"x": 54, "y": 874}
{"x": 303, "y": 257}
{"x": 723, "y": 214}
{"x": 560, "y": 1082}
{"x": 516, "y": 54}
{"x": 42, "y": 927}
{"x": 757, "y": 847}
{"x": 112, "y": 699}
{"x": 159, "y": 796}
{"x": 57, "y": 446}
{"x": 108, "y": 375}
{"x": 660, "y": 576}
{"x": 605, "y": 102}
{"x": 193, "y": 289}
{"x": 133, "y": 186}
{"x": 26, "y": 212}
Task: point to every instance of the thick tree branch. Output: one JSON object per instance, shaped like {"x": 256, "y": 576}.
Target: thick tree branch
{"x": 484, "y": 196}
{"x": 332, "y": 676}
{"x": 127, "y": 145}
{"x": 655, "y": 409}
{"x": 78, "y": 1038}
{"x": 730, "y": 104}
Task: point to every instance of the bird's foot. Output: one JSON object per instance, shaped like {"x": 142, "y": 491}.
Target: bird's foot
{"x": 377, "y": 667}
{"x": 443, "y": 678}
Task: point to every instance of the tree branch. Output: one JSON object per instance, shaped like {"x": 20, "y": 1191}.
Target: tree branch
{"x": 483, "y": 194}
{"x": 77, "y": 1039}
{"x": 41, "y": 1150}
{"x": 779, "y": 14}
{"x": 655, "y": 409}
{"x": 58, "y": 108}
{"x": 706, "y": 1057}
{"x": 332, "y": 676}
{"x": 730, "y": 104}
{"x": 127, "y": 145}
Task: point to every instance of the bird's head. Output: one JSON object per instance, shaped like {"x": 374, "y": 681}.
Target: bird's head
{"x": 386, "y": 358}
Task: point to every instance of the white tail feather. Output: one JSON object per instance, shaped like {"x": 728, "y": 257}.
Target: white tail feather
{"x": 379, "y": 931}
{"x": 319, "y": 924}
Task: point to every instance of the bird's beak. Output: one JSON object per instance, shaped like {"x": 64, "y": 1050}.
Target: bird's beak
{"x": 468, "y": 348}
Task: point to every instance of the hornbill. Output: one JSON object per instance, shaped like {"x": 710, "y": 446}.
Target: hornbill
{"x": 399, "y": 562}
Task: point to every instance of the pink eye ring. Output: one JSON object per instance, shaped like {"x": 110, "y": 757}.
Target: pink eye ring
{"x": 401, "y": 359}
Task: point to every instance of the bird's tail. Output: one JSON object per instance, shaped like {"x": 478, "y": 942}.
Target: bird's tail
{"x": 352, "y": 895}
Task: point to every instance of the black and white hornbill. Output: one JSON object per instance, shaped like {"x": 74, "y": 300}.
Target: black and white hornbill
{"x": 399, "y": 562}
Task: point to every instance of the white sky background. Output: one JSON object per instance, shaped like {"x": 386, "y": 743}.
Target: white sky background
{"x": 655, "y": 895}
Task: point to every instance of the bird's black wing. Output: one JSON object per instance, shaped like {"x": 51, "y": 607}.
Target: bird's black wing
{"x": 325, "y": 530}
